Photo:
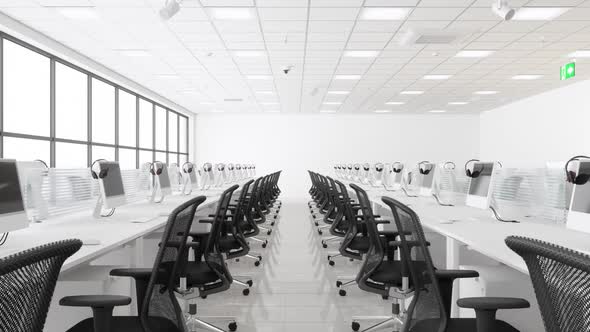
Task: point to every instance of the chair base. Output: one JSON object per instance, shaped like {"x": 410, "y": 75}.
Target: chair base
{"x": 395, "y": 322}
{"x": 231, "y": 326}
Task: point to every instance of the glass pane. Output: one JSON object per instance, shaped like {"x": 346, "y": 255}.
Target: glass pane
{"x": 182, "y": 159}
{"x": 26, "y": 91}
{"x": 160, "y": 128}
{"x": 71, "y": 103}
{"x": 103, "y": 112}
{"x": 23, "y": 149}
{"x": 172, "y": 132}
{"x": 183, "y": 134}
{"x": 68, "y": 155}
{"x": 172, "y": 158}
{"x": 127, "y": 117}
{"x": 146, "y": 124}
{"x": 103, "y": 152}
{"x": 161, "y": 156}
{"x": 145, "y": 157}
{"x": 127, "y": 158}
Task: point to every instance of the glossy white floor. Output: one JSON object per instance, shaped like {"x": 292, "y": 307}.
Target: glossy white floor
{"x": 294, "y": 289}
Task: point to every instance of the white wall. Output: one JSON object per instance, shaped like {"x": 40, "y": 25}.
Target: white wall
{"x": 295, "y": 143}
{"x": 551, "y": 126}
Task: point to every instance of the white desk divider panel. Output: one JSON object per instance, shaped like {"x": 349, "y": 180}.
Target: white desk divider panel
{"x": 579, "y": 208}
{"x": 480, "y": 186}
{"x": 426, "y": 177}
{"x": 32, "y": 174}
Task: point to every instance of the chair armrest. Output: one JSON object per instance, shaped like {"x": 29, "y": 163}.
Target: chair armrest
{"x": 95, "y": 301}
{"x": 382, "y": 222}
{"x": 486, "y": 307}
{"x": 455, "y": 274}
{"x": 206, "y": 221}
{"x": 410, "y": 244}
{"x": 137, "y": 273}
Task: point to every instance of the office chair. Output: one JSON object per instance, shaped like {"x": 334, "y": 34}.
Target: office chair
{"x": 432, "y": 289}
{"x": 561, "y": 279}
{"x": 27, "y": 282}
{"x": 156, "y": 287}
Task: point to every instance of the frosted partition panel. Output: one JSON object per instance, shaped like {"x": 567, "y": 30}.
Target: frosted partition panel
{"x": 127, "y": 119}
{"x": 103, "y": 112}
{"x": 26, "y": 88}
{"x": 71, "y": 103}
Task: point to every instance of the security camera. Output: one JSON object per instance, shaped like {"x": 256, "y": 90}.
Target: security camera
{"x": 501, "y": 8}
{"x": 287, "y": 70}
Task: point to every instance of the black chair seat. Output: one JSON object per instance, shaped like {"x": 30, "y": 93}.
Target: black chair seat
{"x": 128, "y": 324}
{"x": 229, "y": 243}
{"x": 362, "y": 243}
{"x": 390, "y": 272}
{"x": 199, "y": 273}
{"x": 459, "y": 325}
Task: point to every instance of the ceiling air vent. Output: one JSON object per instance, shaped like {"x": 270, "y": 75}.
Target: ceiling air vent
{"x": 416, "y": 37}
{"x": 435, "y": 39}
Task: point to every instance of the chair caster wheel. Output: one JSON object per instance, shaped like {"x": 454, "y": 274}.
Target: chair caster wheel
{"x": 324, "y": 245}
{"x": 246, "y": 292}
{"x": 237, "y": 259}
{"x": 356, "y": 326}
{"x": 269, "y": 232}
{"x": 264, "y": 245}
{"x": 342, "y": 292}
{"x": 233, "y": 326}
{"x": 385, "y": 297}
{"x": 316, "y": 223}
{"x": 272, "y": 223}
{"x": 257, "y": 263}
{"x": 204, "y": 297}
{"x": 332, "y": 263}
{"x": 250, "y": 283}
{"x": 320, "y": 232}
{"x": 338, "y": 283}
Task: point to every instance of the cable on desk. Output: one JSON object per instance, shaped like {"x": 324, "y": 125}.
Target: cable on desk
{"x": 110, "y": 214}
{"x": 3, "y": 238}
{"x": 500, "y": 218}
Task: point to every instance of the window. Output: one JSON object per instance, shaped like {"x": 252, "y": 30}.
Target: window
{"x": 103, "y": 112}
{"x": 160, "y": 128}
{"x": 127, "y": 119}
{"x": 71, "y": 103}
{"x": 68, "y": 116}
{"x": 146, "y": 124}
{"x": 26, "y": 85}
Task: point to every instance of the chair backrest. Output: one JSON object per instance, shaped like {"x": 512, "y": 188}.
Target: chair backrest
{"x": 561, "y": 279}
{"x": 27, "y": 282}
{"x": 160, "y": 300}
{"x": 374, "y": 256}
{"x": 427, "y": 302}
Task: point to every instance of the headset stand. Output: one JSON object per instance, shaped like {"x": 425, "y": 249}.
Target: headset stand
{"x": 156, "y": 190}
{"x": 187, "y": 184}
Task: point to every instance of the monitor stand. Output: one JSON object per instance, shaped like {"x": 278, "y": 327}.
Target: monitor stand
{"x": 157, "y": 196}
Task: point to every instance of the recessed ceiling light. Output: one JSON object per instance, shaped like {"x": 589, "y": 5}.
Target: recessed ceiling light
{"x": 259, "y": 77}
{"x": 394, "y": 103}
{"x": 539, "y": 13}
{"x": 527, "y": 77}
{"x": 437, "y": 111}
{"x": 168, "y": 76}
{"x": 347, "y": 77}
{"x": 332, "y": 103}
{"x": 249, "y": 54}
{"x": 338, "y": 92}
{"x": 78, "y": 13}
{"x": 580, "y": 54}
{"x": 382, "y": 111}
{"x": 264, "y": 92}
{"x": 458, "y": 103}
{"x": 361, "y": 54}
{"x": 410, "y": 92}
{"x": 231, "y": 13}
{"x": 327, "y": 111}
{"x": 437, "y": 77}
{"x": 473, "y": 54}
{"x": 384, "y": 13}
{"x": 134, "y": 53}
{"x": 486, "y": 92}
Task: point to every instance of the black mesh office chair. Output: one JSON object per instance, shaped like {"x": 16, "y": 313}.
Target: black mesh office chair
{"x": 27, "y": 282}
{"x": 159, "y": 310}
{"x": 432, "y": 289}
{"x": 561, "y": 279}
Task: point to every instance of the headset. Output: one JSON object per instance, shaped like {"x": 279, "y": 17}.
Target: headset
{"x": 350, "y": 167}
{"x": 477, "y": 169}
{"x": 102, "y": 173}
{"x": 449, "y": 165}
{"x": 238, "y": 167}
{"x": 207, "y": 167}
{"x": 357, "y": 167}
{"x": 379, "y": 167}
{"x": 572, "y": 177}
{"x": 230, "y": 167}
{"x": 187, "y": 167}
{"x": 397, "y": 167}
{"x": 44, "y": 163}
{"x": 426, "y": 169}
{"x": 221, "y": 167}
{"x": 366, "y": 167}
{"x": 156, "y": 167}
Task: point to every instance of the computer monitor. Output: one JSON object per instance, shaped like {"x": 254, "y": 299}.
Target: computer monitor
{"x": 12, "y": 207}
{"x": 479, "y": 186}
{"x": 426, "y": 172}
{"x": 579, "y": 211}
{"x": 111, "y": 185}
{"x": 164, "y": 178}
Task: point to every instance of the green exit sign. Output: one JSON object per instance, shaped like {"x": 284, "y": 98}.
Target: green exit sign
{"x": 568, "y": 71}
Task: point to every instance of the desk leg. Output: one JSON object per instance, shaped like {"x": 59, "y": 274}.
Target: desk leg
{"x": 453, "y": 264}
{"x": 136, "y": 261}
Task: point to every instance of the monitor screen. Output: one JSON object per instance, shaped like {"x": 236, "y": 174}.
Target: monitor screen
{"x": 113, "y": 182}
{"x": 581, "y": 197}
{"x": 11, "y": 199}
{"x": 164, "y": 178}
{"x": 480, "y": 185}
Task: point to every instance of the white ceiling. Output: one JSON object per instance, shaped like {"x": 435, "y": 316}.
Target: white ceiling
{"x": 312, "y": 36}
